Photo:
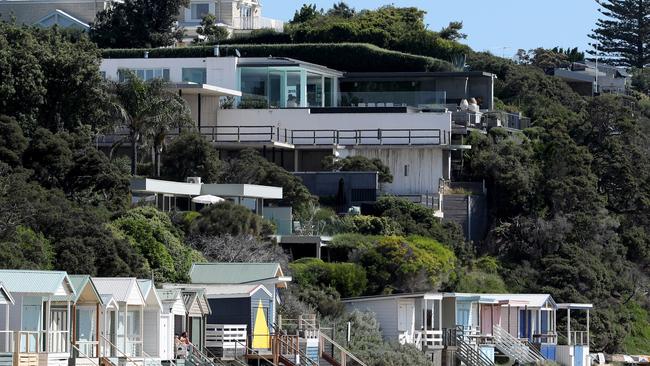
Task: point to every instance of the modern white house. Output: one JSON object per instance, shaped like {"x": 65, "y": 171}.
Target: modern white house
{"x": 123, "y": 325}
{"x": 41, "y": 316}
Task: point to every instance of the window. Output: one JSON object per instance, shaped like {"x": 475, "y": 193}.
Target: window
{"x": 200, "y": 10}
{"x": 406, "y": 170}
{"x": 194, "y": 75}
{"x": 145, "y": 74}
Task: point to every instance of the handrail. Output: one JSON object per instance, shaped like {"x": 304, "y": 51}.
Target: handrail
{"x": 84, "y": 354}
{"x": 512, "y": 346}
{"x": 129, "y": 359}
{"x": 297, "y": 351}
{"x": 253, "y": 351}
{"x": 342, "y": 349}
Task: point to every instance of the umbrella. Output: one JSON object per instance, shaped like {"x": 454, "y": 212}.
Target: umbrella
{"x": 207, "y": 199}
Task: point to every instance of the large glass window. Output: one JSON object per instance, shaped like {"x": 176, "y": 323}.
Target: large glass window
{"x": 145, "y": 74}
{"x": 195, "y": 75}
{"x": 199, "y": 10}
{"x": 314, "y": 90}
{"x": 293, "y": 90}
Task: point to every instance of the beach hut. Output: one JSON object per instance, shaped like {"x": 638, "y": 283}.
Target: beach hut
{"x": 85, "y": 321}
{"x": 151, "y": 345}
{"x": 198, "y": 309}
{"x": 268, "y": 274}
{"x": 41, "y": 315}
{"x": 574, "y": 350}
{"x": 172, "y": 320}
{"x": 6, "y": 334}
{"x": 124, "y": 323}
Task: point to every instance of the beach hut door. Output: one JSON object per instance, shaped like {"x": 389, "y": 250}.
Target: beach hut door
{"x": 406, "y": 321}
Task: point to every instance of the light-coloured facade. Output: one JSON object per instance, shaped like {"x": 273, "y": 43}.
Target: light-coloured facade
{"x": 66, "y": 13}
{"x": 236, "y": 15}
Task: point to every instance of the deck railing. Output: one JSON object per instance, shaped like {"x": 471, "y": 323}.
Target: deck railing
{"x": 228, "y": 337}
{"x": 7, "y": 343}
{"x": 88, "y": 348}
{"x": 304, "y": 137}
{"x": 33, "y": 341}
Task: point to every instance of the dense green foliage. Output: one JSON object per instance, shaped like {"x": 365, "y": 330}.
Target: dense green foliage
{"x": 227, "y": 218}
{"x": 623, "y": 34}
{"x": 151, "y": 232}
{"x": 340, "y": 56}
{"x": 348, "y": 279}
{"x": 138, "y": 23}
{"x": 210, "y": 30}
{"x": 191, "y": 155}
{"x": 360, "y": 164}
{"x": 47, "y": 81}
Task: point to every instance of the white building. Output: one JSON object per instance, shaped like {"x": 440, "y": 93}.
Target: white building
{"x": 291, "y": 111}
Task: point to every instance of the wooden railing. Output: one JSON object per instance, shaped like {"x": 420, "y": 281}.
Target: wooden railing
{"x": 227, "y": 337}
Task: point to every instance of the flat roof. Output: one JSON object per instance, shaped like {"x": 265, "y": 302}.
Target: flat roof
{"x": 424, "y": 295}
{"x": 575, "y": 306}
{"x": 205, "y": 89}
{"x": 416, "y": 74}
{"x": 147, "y": 185}
{"x": 285, "y": 62}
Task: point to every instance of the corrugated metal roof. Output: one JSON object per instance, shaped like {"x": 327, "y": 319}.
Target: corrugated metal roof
{"x": 145, "y": 286}
{"x": 216, "y": 291}
{"x": 531, "y": 300}
{"x": 6, "y": 294}
{"x": 233, "y": 273}
{"x": 118, "y": 287}
{"x": 36, "y": 282}
{"x": 168, "y": 295}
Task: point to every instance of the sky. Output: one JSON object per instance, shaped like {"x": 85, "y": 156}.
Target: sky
{"x": 499, "y": 26}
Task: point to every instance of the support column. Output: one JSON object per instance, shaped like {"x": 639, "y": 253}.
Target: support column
{"x": 198, "y": 118}
{"x": 295, "y": 161}
{"x": 47, "y": 325}
{"x": 588, "y": 328}
{"x": 568, "y": 326}
{"x": 303, "y": 88}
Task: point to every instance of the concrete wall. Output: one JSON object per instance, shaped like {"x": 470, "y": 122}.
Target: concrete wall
{"x": 415, "y": 170}
{"x": 220, "y": 71}
{"x": 30, "y": 12}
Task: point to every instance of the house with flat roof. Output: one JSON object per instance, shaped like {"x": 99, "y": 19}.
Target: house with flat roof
{"x": 589, "y": 78}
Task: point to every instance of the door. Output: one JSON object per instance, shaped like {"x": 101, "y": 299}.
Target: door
{"x": 406, "y": 321}
{"x": 195, "y": 335}
{"x": 31, "y": 327}
{"x": 58, "y": 337}
{"x": 463, "y": 314}
{"x": 578, "y": 356}
{"x": 166, "y": 342}
{"x": 86, "y": 331}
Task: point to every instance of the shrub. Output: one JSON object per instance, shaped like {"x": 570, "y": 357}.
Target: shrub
{"x": 227, "y": 218}
{"x": 348, "y": 279}
{"x": 369, "y": 225}
{"x": 349, "y": 57}
{"x": 359, "y": 164}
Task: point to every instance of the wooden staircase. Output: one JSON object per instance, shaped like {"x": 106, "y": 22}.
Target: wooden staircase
{"x": 468, "y": 354}
{"x": 515, "y": 349}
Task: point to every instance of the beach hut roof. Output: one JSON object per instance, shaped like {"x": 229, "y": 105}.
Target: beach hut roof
{"x": 53, "y": 283}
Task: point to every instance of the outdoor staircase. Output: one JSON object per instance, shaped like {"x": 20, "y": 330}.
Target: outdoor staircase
{"x": 515, "y": 349}
{"x": 468, "y": 354}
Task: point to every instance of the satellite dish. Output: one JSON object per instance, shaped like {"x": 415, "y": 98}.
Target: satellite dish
{"x": 237, "y": 53}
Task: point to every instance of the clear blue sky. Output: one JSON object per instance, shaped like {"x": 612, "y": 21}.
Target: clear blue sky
{"x": 490, "y": 24}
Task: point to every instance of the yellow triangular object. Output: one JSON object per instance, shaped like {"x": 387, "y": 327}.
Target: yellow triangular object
{"x": 261, "y": 336}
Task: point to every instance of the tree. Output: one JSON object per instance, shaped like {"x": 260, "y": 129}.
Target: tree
{"x": 623, "y": 34}
{"x": 211, "y": 31}
{"x": 341, "y": 10}
{"x": 146, "y": 109}
{"x": 191, "y": 155}
{"x": 360, "y": 164}
{"x": 453, "y": 32}
{"x": 641, "y": 80}
{"x": 227, "y": 218}
{"x": 43, "y": 85}
{"x": 249, "y": 167}
{"x": 138, "y": 23}
{"x": 305, "y": 14}
{"x": 12, "y": 142}
{"x": 242, "y": 248}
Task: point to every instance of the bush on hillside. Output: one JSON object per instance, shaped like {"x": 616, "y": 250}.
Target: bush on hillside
{"x": 228, "y": 218}
{"x": 348, "y": 57}
{"x": 348, "y": 279}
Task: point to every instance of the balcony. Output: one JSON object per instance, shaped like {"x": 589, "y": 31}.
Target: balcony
{"x": 424, "y": 100}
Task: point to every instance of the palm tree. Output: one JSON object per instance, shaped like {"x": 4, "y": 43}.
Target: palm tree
{"x": 148, "y": 110}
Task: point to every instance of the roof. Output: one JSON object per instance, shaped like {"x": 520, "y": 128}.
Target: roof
{"x": 206, "y": 89}
{"x": 230, "y": 291}
{"x": 169, "y": 294}
{"x": 575, "y": 306}
{"x": 79, "y": 283}
{"x": 197, "y": 189}
{"x": 531, "y": 300}
{"x": 234, "y": 273}
{"x": 423, "y": 295}
{"x": 416, "y": 75}
{"x": 6, "y": 294}
{"x": 149, "y": 293}
{"x": 37, "y": 282}
{"x": 285, "y": 62}
{"x": 57, "y": 14}
{"x": 121, "y": 288}
{"x": 109, "y": 301}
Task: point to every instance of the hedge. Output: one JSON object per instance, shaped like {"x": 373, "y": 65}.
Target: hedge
{"x": 351, "y": 57}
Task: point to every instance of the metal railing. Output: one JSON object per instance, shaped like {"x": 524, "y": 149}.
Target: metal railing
{"x": 119, "y": 352}
{"x": 305, "y": 137}
{"x": 84, "y": 355}
{"x": 513, "y": 347}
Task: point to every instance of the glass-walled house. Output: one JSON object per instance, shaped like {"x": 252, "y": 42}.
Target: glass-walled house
{"x": 286, "y": 83}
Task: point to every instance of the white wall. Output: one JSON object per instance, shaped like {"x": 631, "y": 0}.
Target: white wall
{"x": 221, "y": 71}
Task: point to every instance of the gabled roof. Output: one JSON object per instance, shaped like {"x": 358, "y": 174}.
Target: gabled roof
{"x": 234, "y": 273}
{"x": 6, "y": 295}
{"x": 149, "y": 293}
{"x": 108, "y": 301}
{"x": 53, "y": 283}
{"x": 530, "y": 300}
{"x": 123, "y": 289}
{"x": 414, "y": 295}
{"x": 234, "y": 291}
{"x": 83, "y": 285}
{"x": 169, "y": 294}
{"x": 61, "y": 18}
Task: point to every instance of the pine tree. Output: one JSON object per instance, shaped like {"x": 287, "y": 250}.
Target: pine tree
{"x": 622, "y": 36}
